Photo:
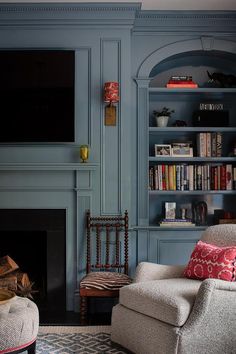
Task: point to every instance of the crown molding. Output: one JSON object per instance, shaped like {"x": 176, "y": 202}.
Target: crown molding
{"x": 69, "y": 7}
{"x": 184, "y": 21}
{"x": 70, "y": 14}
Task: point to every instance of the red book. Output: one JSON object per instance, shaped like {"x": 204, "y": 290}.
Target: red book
{"x": 181, "y": 82}
{"x": 223, "y": 177}
{"x": 182, "y": 85}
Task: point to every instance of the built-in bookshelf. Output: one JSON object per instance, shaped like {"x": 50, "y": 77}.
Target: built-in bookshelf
{"x": 209, "y": 177}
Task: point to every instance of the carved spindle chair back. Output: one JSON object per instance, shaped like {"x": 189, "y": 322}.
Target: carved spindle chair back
{"x": 107, "y": 271}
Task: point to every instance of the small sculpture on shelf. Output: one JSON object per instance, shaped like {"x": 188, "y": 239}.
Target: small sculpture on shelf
{"x": 162, "y": 116}
{"x": 180, "y": 123}
{"x": 200, "y": 213}
{"x": 221, "y": 79}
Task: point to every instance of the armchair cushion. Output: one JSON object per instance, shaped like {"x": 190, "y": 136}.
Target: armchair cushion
{"x": 210, "y": 261}
{"x": 168, "y": 300}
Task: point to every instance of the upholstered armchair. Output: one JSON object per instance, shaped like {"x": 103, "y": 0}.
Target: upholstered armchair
{"x": 164, "y": 312}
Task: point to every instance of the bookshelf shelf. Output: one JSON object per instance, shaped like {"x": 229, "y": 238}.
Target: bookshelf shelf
{"x": 159, "y": 228}
{"x": 181, "y": 130}
{"x": 188, "y": 193}
{"x": 211, "y": 90}
{"x": 171, "y": 159}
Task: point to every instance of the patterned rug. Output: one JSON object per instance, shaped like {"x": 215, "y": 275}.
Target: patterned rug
{"x": 83, "y": 340}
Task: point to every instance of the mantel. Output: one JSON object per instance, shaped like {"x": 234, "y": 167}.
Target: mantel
{"x": 46, "y": 166}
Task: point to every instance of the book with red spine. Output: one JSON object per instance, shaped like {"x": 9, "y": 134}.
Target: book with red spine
{"x": 223, "y": 177}
{"x": 180, "y": 85}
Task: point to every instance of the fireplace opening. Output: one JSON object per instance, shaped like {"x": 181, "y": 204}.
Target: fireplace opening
{"x": 36, "y": 240}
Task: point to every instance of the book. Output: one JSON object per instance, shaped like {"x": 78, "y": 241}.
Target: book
{"x": 213, "y": 144}
{"x": 151, "y": 184}
{"x": 234, "y": 178}
{"x": 211, "y": 106}
{"x": 227, "y": 221}
{"x": 181, "y": 77}
{"x": 228, "y": 177}
{"x": 186, "y": 85}
{"x": 170, "y": 208}
{"x": 176, "y": 222}
{"x": 218, "y": 144}
{"x": 208, "y": 144}
{"x": 223, "y": 177}
{"x": 201, "y": 144}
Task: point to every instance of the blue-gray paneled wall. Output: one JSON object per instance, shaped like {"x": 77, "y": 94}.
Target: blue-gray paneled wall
{"x": 111, "y": 42}
{"x": 50, "y": 175}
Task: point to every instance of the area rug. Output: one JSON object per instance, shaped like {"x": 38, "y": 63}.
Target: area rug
{"x": 83, "y": 340}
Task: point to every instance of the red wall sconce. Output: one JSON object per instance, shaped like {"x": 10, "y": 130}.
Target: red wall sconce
{"x": 111, "y": 96}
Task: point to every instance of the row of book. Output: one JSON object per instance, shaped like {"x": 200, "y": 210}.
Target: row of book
{"x": 209, "y": 144}
{"x": 183, "y": 177}
{"x": 184, "y": 81}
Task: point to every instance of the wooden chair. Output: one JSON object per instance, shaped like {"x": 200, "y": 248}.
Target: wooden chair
{"x": 104, "y": 278}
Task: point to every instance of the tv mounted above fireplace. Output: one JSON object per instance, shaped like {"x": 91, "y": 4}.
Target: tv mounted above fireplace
{"x": 37, "y": 96}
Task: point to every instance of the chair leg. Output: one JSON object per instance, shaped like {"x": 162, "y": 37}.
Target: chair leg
{"x": 32, "y": 348}
{"x": 83, "y": 309}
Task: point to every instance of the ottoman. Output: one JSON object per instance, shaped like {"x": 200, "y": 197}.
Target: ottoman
{"x": 19, "y": 323}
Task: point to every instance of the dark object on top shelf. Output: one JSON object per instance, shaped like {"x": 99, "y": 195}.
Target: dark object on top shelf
{"x": 210, "y": 118}
{"x": 200, "y": 213}
{"x": 180, "y": 123}
{"x": 223, "y": 80}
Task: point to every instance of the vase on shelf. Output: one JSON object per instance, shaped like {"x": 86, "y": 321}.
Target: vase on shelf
{"x": 162, "y": 121}
{"x": 162, "y": 116}
{"x": 84, "y": 153}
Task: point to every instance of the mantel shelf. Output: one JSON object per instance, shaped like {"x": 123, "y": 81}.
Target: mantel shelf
{"x": 46, "y": 166}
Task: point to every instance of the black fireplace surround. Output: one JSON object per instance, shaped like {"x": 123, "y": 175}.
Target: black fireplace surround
{"x": 36, "y": 240}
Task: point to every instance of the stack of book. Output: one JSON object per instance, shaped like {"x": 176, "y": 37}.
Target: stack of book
{"x": 184, "y": 81}
{"x": 176, "y": 222}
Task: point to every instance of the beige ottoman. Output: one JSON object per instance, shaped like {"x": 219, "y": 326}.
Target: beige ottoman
{"x": 19, "y": 323}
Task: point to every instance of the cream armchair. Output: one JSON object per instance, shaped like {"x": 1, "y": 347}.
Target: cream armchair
{"x": 165, "y": 313}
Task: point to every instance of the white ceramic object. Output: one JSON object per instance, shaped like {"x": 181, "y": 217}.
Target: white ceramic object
{"x": 162, "y": 121}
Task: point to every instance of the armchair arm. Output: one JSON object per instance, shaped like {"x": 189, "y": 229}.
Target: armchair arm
{"x": 213, "y": 315}
{"x": 146, "y": 271}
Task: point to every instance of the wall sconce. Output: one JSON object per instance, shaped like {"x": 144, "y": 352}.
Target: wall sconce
{"x": 111, "y": 95}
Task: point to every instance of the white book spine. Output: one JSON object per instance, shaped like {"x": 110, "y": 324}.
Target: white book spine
{"x": 191, "y": 178}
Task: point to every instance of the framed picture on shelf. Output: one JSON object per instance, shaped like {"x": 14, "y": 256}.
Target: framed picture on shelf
{"x": 181, "y": 150}
{"x": 162, "y": 150}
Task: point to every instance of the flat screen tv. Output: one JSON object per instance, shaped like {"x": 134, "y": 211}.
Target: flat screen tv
{"x": 37, "y": 96}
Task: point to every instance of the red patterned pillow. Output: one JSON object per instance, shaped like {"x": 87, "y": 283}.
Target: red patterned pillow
{"x": 210, "y": 261}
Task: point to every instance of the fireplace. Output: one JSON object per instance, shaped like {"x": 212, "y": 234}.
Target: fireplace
{"x": 36, "y": 240}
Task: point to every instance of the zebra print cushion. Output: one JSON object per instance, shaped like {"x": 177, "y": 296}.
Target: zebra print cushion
{"x": 105, "y": 281}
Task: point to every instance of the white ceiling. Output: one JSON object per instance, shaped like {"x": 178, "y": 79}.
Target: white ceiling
{"x": 155, "y": 4}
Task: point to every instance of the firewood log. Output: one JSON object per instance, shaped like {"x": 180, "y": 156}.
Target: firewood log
{"x": 8, "y": 282}
{"x": 7, "y": 265}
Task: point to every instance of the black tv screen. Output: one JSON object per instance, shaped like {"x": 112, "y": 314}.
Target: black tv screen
{"x": 37, "y": 95}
